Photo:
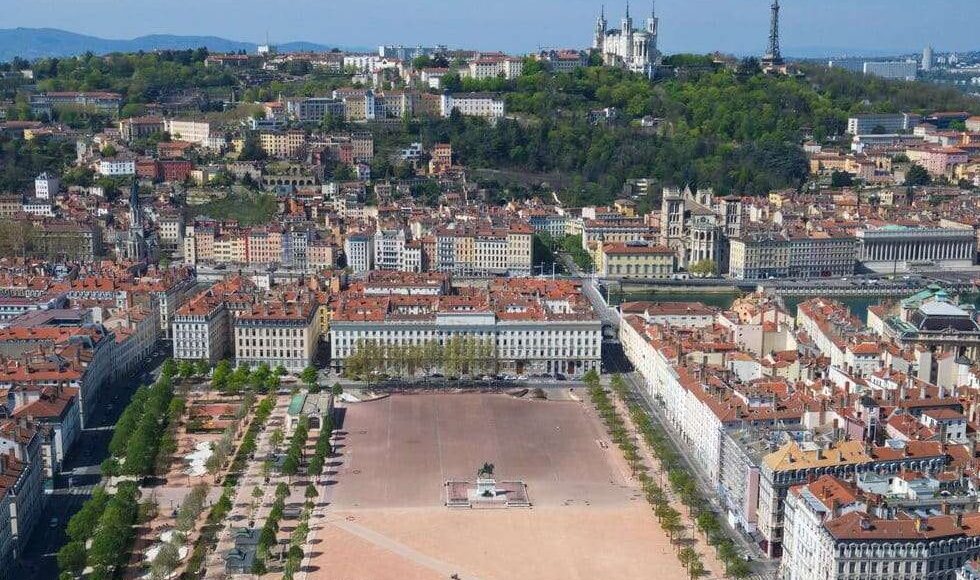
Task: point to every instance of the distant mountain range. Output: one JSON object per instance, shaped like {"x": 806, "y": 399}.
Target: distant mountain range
{"x": 32, "y": 43}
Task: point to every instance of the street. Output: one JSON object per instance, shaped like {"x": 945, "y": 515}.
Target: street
{"x": 80, "y": 474}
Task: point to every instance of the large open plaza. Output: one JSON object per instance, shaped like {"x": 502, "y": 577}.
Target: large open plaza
{"x": 387, "y": 519}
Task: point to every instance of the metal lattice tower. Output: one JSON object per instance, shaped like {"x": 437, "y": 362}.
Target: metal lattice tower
{"x": 773, "y": 55}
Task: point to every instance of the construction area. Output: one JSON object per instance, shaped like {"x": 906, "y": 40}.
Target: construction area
{"x": 387, "y": 514}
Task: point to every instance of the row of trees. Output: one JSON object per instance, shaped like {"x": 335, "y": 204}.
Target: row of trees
{"x": 187, "y": 369}
{"x": 459, "y": 355}
{"x": 267, "y": 537}
{"x": 262, "y": 379}
{"x": 572, "y": 245}
{"x": 684, "y": 486}
{"x": 216, "y": 518}
{"x": 297, "y": 443}
{"x": 168, "y": 556}
{"x": 100, "y": 534}
{"x": 294, "y": 555}
{"x": 225, "y": 446}
{"x": 323, "y": 447}
{"x": 139, "y": 432}
{"x": 668, "y": 517}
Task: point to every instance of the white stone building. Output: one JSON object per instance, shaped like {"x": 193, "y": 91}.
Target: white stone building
{"x": 634, "y": 49}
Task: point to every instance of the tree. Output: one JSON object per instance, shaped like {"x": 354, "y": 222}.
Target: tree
{"x": 110, "y": 467}
{"x": 276, "y": 438}
{"x": 841, "y": 179}
{"x": 687, "y": 555}
{"x": 71, "y": 558}
{"x": 185, "y": 369}
{"x": 670, "y": 521}
{"x": 727, "y": 553}
{"x": 309, "y": 376}
{"x": 337, "y": 390}
{"x": 917, "y": 175}
{"x": 83, "y": 523}
{"x": 165, "y": 562}
{"x": 738, "y": 568}
{"x": 708, "y": 524}
{"x": 290, "y": 465}
{"x": 221, "y": 374}
{"x": 202, "y": 368}
{"x": 695, "y": 569}
{"x": 704, "y": 269}
{"x": 311, "y": 492}
{"x": 251, "y": 148}
{"x": 315, "y": 466}
{"x": 168, "y": 369}
{"x": 239, "y": 378}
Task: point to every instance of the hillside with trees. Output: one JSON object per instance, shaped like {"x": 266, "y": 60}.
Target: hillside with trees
{"x": 735, "y": 130}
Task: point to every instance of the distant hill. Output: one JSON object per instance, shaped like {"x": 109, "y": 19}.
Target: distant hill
{"x": 33, "y": 43}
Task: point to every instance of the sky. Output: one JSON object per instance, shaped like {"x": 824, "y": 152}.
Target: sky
{"x": 809, "y": 27}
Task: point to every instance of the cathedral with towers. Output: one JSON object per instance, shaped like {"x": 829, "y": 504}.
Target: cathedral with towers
{"x": 634, "y": 49}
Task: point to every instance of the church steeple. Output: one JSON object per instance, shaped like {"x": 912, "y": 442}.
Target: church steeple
{"x": 134, "y": 205}
{"x": 600, "y": 29}
{"x": 627, "y": 21}
{"x": 134, "y": 247}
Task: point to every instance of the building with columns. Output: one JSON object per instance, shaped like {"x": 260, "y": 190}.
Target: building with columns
{"x": 893, "y": 249}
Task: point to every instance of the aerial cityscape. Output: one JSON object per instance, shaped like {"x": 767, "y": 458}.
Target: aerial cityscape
{"x": 437, "y": 311}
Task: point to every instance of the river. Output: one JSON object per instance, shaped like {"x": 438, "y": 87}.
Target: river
{"x": 858, "y": 306}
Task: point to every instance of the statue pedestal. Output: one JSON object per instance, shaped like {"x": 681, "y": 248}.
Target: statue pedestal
{"x": 486, "y": 494}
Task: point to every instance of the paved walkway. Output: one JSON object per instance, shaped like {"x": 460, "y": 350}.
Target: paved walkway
{"x": 350, "y": 526}
{"x": 708, "y": 556}
{"x": 242, "y": 504}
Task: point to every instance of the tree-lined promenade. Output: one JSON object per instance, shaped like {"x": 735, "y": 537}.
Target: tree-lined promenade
{"x": 458, "y": 356}
{"x": 665, "y": 483}
{"x": 109, "y": 536}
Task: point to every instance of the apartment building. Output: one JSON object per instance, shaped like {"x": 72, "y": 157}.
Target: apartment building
{"x": 795, "y": 464}
{"x": 888, "y": 124}
{"x": 758, "y": 255}
{"x": 282, "y": 144}
{"x": 483, "y": 248}
{"x": 21, "y": 462}
{"x": 198, "y": 132}
{"x": 532, "y": 326}
{"x": 359, "y": 251}
{"x": 54, "y": 410}
{"x": 494, "y": 67}
{"x": 43, "y": 104}
{"x": 835, "y": 530}
{"x": 635, "y": 260}
{"x": 116, "y": 167}
{"x": 278, "y": 333}
{"x": 314, "y": 109}
{"x": 393, "y": 251}
{"x": 46, "y": 186}
{"x": 487, "y": 105}
{"x": 201, "y": 330}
